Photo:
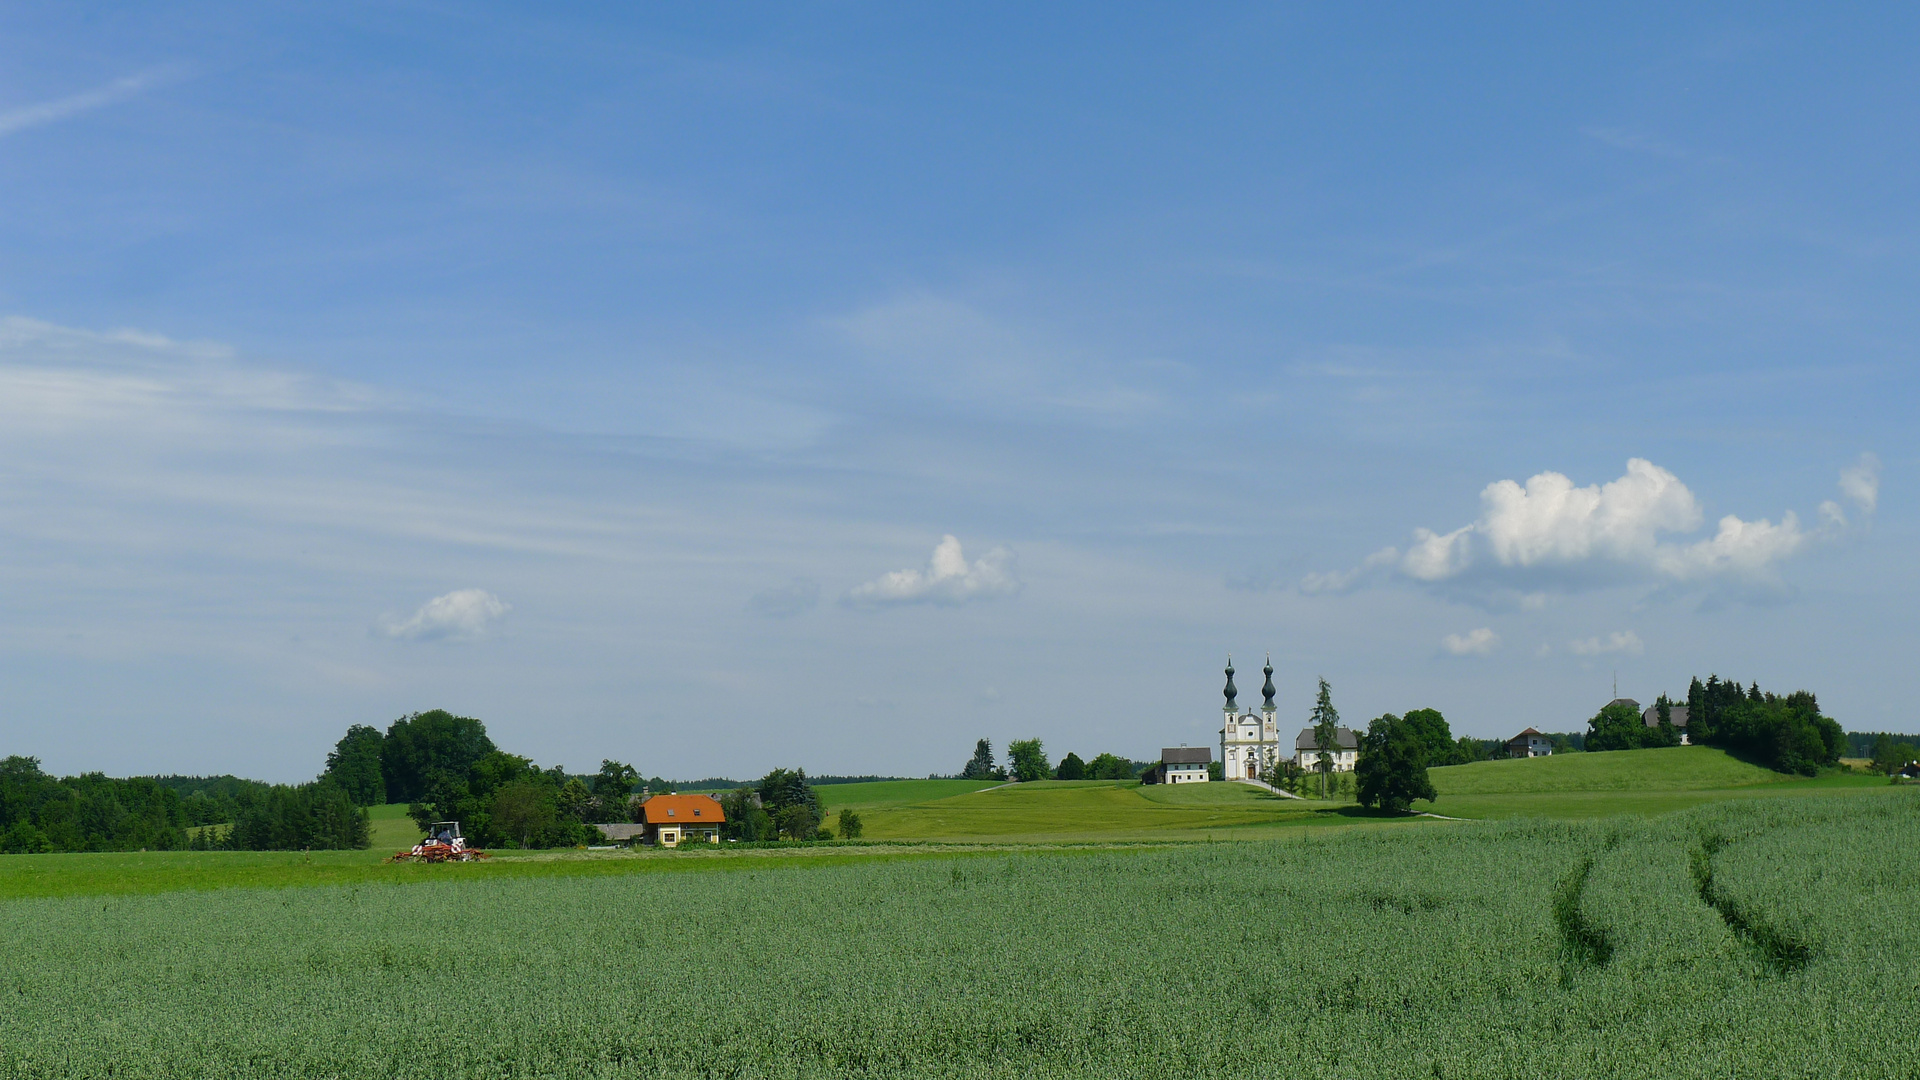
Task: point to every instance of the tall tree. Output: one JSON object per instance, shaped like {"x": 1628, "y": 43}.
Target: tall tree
{"x": 613, "y": 792}
{"x": 1326, "y": 732}
{"x": 980, "y": 766}
{"x": 1616, "y": 727}
{"x": 354, "y": 764}
{"x": 1392, "y": 770}
{"x": 1027, "y": 760}
{"x": 783, "y": 788}
{"x": 1071, "y": 768}
{"x": 1110, "y": 767}
{"x": 1435, "y": 734}
{"x": 423, "y": 744}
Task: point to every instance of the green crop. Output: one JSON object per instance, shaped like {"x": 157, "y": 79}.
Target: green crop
{"x": 1766, "y": 938}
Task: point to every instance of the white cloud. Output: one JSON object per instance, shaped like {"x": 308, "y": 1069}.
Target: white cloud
{"x": 1473, "y": 643}
{"x": 1860, "y": 483}
{"x": 48, "y": 112}
{"x": 460, "y": 615}
{"x": 1620, "y": 641}
{"x": 948, "y": 579}
{"x": 1551, "y": 531}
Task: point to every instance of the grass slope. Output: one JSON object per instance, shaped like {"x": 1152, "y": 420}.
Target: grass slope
{"x": 1676, "y": 768}
{"x": 1077, "y": 810}
{"x": 1637, "y": 782}
{"x": 862, "y": 797}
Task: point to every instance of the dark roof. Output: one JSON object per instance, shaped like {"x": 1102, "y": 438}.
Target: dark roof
{"x": 1343, "y": 739}
{"x": 621, "y": 832}
{"x": 1624, "y": 701}
{"x": 1526, "y": 733}
{"x": 1676, "y": 714}
{"x": 1186, "y": 755}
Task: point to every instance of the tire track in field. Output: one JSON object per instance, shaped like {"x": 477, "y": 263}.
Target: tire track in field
{"x": 1778, "y": 949}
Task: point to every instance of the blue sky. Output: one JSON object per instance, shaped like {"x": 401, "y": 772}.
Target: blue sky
{"x": 620, "y": 376}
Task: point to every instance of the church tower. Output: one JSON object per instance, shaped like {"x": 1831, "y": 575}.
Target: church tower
{"x": 1249, "y": 744}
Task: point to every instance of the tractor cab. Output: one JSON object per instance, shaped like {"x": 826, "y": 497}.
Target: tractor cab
{"x": 443, "y": 844}
{"x": 446, "y": 832}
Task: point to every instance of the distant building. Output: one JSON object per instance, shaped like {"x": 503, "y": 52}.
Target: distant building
{"x": 670, "y": 820}
{"x": 1676, "y": 715}
{"x": 1249, "y": 744}
{"x": 621, "y": 832}
{"x": 1530, "y": 743}
{"x": 1345, "y": 750}
{"x": 1180, "y": 765}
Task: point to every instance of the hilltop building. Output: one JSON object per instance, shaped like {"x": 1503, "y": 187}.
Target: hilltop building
{"x": 1249, "y": 744}
{"x": 1180, "y": 765}
{"x": 1529, "y": 743}
{"x": 1676, "y": 715}
{"x": 1345, "y": 750}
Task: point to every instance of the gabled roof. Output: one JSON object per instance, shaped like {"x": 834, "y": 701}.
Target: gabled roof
{"x": 1676, "y": 714}
{"x": 620, "y": 831}
{"x": 1524, "y": 734}
{"x": 1624, "y": 701}
{"x": 1186, "y": 755}
{"x": 1343, "y": 739}
{"x": 683, "y": 810}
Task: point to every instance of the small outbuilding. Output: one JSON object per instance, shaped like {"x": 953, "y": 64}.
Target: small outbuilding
{"x": 671, "y": 820}
{"x": 1180, "y": 765}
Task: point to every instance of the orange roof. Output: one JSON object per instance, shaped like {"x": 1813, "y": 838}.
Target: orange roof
{"x": 683, "y": 810}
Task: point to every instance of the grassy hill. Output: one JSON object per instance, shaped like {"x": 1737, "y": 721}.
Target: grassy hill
{"x": 1676, "y": 768}
{"x": 1617, "y": 782}
{"x": 1074, "y": 810}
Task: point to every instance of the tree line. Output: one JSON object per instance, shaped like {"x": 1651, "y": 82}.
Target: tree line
{"x": 92, "y": 812}
{"x": 1027, "y": 761}
{"x": 1786, "y": 733}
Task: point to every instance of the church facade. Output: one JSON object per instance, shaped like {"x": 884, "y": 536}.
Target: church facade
{"x": 1249, "y": 743}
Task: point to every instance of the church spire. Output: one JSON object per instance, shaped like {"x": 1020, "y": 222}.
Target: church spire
{"x": 1267, "y": 690}
{"x": 1230, "y": 693}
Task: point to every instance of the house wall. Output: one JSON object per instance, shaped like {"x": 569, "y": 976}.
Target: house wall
{"x": 1186, "y": 774}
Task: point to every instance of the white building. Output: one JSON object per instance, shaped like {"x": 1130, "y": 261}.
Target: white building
{"x": 1180, "y": 765}
{"x": 1345, "y": 751}
{"x": 1249, "y": 744}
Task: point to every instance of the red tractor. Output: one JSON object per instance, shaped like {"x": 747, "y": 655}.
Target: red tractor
{"x": 443, "y": 844}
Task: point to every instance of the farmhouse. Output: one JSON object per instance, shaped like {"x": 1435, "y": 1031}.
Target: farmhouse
{"x": 1180, "y": 765}
{"x": 1676, "y": 715}
{"x": 1249, "y": 744}
{"x": 669, "y": 820}
{"x": 1529, "y": 743}
{"x": 1345, "y": 751}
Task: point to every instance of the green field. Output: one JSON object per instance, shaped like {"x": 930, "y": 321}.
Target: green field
{"x": 1752, "y": 938}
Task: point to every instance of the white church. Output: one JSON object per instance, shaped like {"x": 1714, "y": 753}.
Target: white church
{"x": 1249, "y": 744}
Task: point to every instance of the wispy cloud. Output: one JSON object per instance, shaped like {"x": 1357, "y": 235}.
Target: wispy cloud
{"x": 1620, "y": 641}
{"x": 948, "y": 579}
{"x": 460, "y": 615}
{"x": 51, "y": 112}
{"x": 1472, "y": 643}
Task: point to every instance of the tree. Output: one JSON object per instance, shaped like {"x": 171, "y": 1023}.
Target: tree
{"x": 746, "y": 819}
{"x": 798, "y": 821}
{"x": 1433, "y": 732}
{"x": 1110, "y": 767}
{"x": 523, "y": 810}
{"x": 1071, "y": 768}
{"x": 1890, "y": 755}
{"x": 981, "y": 766}
{"x": 420, "y": 745}
{"x": 783, "y": 788}
{"x": 613, "y": 792}
{"x": 1392, "y": 770}
{"x": 1326, "y": 732}
{"x": 849, "y": 825}
{"x": 1028, "y": 760}
{"x": 1662, "y": 733}
{"x": 354, "y": 764}
{"x": 1616, "y": 726}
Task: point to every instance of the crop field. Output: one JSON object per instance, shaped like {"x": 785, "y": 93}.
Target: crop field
{"x": 1750, "y": 938}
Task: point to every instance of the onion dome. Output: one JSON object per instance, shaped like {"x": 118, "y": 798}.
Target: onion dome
{"x": 1230, "y": 693}
{"x": 1267, "y": 690}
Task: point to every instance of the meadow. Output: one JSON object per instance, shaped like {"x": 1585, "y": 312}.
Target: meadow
{"x": 1756, "y": 937}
